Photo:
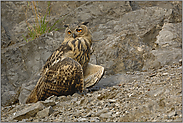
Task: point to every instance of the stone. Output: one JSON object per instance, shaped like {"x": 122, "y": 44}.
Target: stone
{"x": 26, "y": 90}
{"x": 169, "y": 46}
{"x": 94, "y": 119}
{"x": 7, "y": 97}
{"x": 64, "y": 98}
{"x": 83, "y": 101}
{"x": 180, "y": 61}
{"x": 82, "y": 119}
{"x": 45, "y": 112}
{"x": 112, "y": 100}
{"x": 28, "y": 112}
{"x": 76, "y": 95}
{"x": 104, "y": 110}
{"x": 106, "y": 115}
{"x": 165, "y": 74}
{"x": 171, "y": 114}
{"x": 53, "y": 97}
{"x": 48, "y": 103}
{"x": 175, "y": 6}
{"x": 74, "y": 99}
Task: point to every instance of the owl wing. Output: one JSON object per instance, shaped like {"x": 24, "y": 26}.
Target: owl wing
{"x": 60, "y": 53}
{"x": 63, "y": 78}
{"x": 93, "y": 75}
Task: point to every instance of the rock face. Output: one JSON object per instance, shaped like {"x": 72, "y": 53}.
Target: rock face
{"x": 129, "y": 38}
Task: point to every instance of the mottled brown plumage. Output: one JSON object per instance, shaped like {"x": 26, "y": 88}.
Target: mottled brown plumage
{"x": 63, "y": 78}
{"x": 64, "y": 71}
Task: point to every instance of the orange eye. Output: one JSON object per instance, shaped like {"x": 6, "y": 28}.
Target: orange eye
{"x": 79, "y": 30}
{"x": 69, "y": 32}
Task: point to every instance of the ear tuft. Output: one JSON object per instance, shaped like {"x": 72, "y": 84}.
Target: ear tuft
{"x": 84, "y": 23}
{"x": 66, "y": 25}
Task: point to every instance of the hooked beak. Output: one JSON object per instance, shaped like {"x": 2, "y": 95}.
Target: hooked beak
{"x": 74, "y": 35}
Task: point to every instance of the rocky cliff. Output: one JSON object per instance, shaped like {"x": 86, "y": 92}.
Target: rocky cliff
{"x": 136, "y": 42}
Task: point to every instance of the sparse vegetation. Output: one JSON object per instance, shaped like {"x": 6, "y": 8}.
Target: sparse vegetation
{"x": 41, "y": 24}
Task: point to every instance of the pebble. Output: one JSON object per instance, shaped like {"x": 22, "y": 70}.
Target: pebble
{"x": 165, "y": 74}
{"x": 180, "y": 61}
{"x": 158, "y": 91}
{"x": 171, "y": 114}
{"x": 102, "y": 111}
{"x": 112, "y": 100}
{"x": 74, "y": 99}
{"x": 48, "y": 103}
{"x": 94, "y": 119}
{"x": 106, "y": 115}
{"x": 179, "y": 68}
{"x": 82, "y": 119}
{"x": 76, "y": 95}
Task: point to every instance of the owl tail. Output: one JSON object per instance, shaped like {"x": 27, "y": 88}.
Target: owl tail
{"x": 32, "y": 98}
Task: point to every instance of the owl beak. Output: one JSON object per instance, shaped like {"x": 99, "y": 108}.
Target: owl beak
{"x": 74, "y": 35}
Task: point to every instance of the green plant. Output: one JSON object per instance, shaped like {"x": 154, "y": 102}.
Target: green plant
{"x": 41, "y": 24}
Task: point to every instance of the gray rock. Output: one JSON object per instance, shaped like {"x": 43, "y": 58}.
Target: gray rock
{"x": 76, "y": 95}
{"x": 118, "y": 53}
{"x": 7, "y": 97}
{"x": 45, "y": 112}
{"x": 112, "y": 100}
{"x": 94, "y": 119}
{"x": 82, "y": 119}
{"x": 48, "y": 103}
{"x": 64, "y": 98}
{"x": 26, "y": 90}
{"x": 170, "y": 36}
{"x": 104, "y": 110}
{"x": 83, "y": 101}
{"x": 53, "y": 98}
{"x": 106, "y": 115}
{"x": 169, "y": 47}
{"x": 74, "y": 99}
{"x": 28, "y": 112}
{"x": 171, "y": 114}
{"x": 180, "y": 61}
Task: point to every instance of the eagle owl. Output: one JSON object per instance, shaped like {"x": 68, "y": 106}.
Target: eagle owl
{"x": 67, "y": 70}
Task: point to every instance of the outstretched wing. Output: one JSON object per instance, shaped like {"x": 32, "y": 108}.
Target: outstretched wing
{"x": 64, "y": 77}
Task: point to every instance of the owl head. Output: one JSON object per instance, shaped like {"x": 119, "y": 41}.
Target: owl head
{"x": 77, "y": 31}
